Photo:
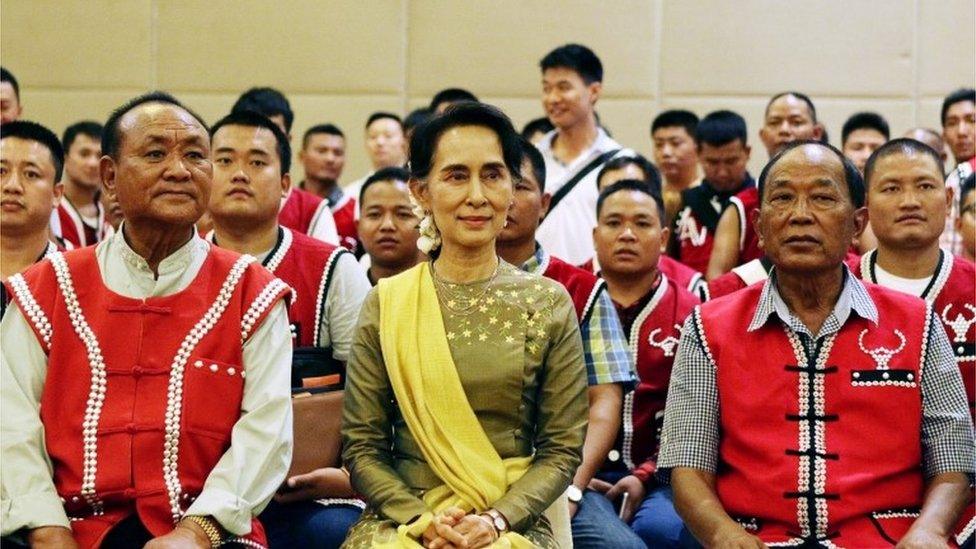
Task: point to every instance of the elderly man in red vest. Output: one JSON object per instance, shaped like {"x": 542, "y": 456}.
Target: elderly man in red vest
{"x": 814, "y": 409}
{"x": 145, "y": 381}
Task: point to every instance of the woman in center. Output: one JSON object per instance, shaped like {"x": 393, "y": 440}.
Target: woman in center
{"x": 465, "y": 404}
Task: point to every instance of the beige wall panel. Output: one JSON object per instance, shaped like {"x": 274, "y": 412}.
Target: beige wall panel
{"x": 629, "y": 121}
{"x": 946, "y": 45}
{"x": 900, "y": 114}
{"x": 57, "y": 109}
{"x": 764, "y": 46}
{"x": 299, "y": 46}
{"x": 494, "y": 48}
{"x": 69, "y": 44}
{"x": 929, "y": 113}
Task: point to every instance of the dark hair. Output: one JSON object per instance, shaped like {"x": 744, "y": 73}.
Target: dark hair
{"x": 801, "y": 96}
{"x": 385, "y": 174}
{"x": 652, "y": 177}
{"x": 852, "y": 177}
{"x": 32, "y": 131}
{"x": 958, "y": 96}
{"x": 423, "y": 143}
{"x": 537, "y": 125}
{"x": 85, "y": 127}
{"x": 111, "y": 138}
{"x": 416, "y": 118}
{"x": 631, "y": 185}
{"x": 451, "y": 95}
{"x": 676, "y": 118}
{"x": 329, "y": 129}
{"x": 251, "y": 119}
{"x": 266, "y": 101}
{"x": 966, "y": 187}
{"x": 864, "y": 121}
{"x": 721, "y": 128}
{"x": 381, "y": 115}
{"x": 575, "y": 57}
{"x": 538, "y": 163}
{"x": 7, "y": 76}
{"x": 902, "y": 145}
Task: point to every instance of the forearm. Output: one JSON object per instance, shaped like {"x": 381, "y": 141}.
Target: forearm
{"x": 725, "y": 250}
{"x": 945, "y": 497}
{"x": 697, "y": 502}
{"x": 605, "y": 403}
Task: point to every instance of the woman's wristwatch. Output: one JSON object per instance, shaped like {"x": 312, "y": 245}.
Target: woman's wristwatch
{"x": 498, "y": 521}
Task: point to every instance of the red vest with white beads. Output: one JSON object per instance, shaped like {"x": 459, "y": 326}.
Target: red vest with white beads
{"x": 583, "y": 286}
{"x": 825, "y": 447}
{"x": 141, "y": 395}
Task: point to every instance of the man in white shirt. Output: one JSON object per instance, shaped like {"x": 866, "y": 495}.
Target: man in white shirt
{"x": 386, "y": 146}
{"x": 572, "y": 77}
{"x": 144, "y": 382}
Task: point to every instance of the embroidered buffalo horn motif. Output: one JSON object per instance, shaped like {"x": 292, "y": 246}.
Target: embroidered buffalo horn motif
{"x": 881, "y": 355}
{"x": 960, "y": 325}
{"x": 667, "y": 344}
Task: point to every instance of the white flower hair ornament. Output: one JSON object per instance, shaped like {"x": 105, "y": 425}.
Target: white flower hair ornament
{"x": 430, "y": 237}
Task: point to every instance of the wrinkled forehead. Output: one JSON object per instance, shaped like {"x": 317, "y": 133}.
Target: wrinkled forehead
{"x": 161, "y": 118}
{"x": 809, "y": 163}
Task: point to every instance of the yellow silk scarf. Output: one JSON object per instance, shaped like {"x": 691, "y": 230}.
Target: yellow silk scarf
{"x": 435, "y": 409}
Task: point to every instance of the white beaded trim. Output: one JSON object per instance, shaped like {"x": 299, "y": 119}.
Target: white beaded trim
{"x": 323, "y": 290}
{"x": 895, "y": 514}
{"x": 883, "y": 383}
{"x": 591, "y": 299}
{"x": 792, "y": 542}
{"x": 941, "y": 277}
{"x": 925, "y": 340}
{"x": 31, "y": 309}
{"x": 260, "y": 305}
{"x": 966, "y": 532}
{"x": 342, "y": 501}
{"x": 96, "y": 392}
{"x": 174, "y": 403}
{"x": 701, "y": 335}
{"x": 283, "y": 247}
{"x": 627, "y": 444}
{"x": 242, "y": 541}
{"x": 820, "y": 435}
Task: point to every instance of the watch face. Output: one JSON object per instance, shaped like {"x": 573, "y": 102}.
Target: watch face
{"x": 499, "y": 524}
{"x": 574, "y": 494}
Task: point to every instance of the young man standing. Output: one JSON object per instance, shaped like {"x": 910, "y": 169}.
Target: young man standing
{"x": 80, "y": 220}
{"x": 724, "y": 155}
{"x": 30, "y": 168}
{"x": 386, "y": 146}
{"x": 323, "y": 156}
{"x": 251, "y": 162}
{"x": 10, "y": 106}
{"x": 676, "y": 155}
{"x": 388, "y": 225}
{"x": 629, "y": 238}
{"x": 572, "y": 81}
{"x": 959, "y": 131}
{"x": 609, "y": 368}
{"x": 861, "y": 135}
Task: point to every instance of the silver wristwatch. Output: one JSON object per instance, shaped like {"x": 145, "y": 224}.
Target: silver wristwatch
{"x": 574, "y": 494}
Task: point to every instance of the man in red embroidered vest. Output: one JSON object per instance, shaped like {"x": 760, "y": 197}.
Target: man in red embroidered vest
{"x": 30, "y": 167}
{"x": 815, "y": 409}
{"x": 789, "y": 117}
{"x": 80, "y": 220}
{"x": 388, "y": 225}
{"x": 300, "y": 210}
{"x": 724, "y": 153}
{"x": 323, "y": 156}
{"x": 145, "y": 380}
{"x": 610, "y": 372}
{"x": 251, "y": 162}
{"x": 629, "y": 238}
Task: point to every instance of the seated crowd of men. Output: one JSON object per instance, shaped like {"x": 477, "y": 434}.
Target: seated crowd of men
{"x": 674, "y": 267}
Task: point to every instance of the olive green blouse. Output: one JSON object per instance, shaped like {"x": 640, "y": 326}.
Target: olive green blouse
{"x": 518, "y": 353}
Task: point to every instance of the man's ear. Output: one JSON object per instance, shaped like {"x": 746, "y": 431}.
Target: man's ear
{"x": 860, "y": 221}
{"x": 106, "y": 169}
{"x": 596, "y": 89}
{"x": 546, "y": 201}
{"x": 285, "y": 184}
{"x": 58, "y": 192}
{"x": 754, "y": 219}
{"x": 818, "y": 131}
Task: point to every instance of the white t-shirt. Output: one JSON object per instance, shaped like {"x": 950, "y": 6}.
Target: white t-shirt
{"x": 567, "y": 232}
{"x": 911, "y": 286}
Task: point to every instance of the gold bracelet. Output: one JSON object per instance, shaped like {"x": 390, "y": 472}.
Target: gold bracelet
{"x": 210, "y": 528}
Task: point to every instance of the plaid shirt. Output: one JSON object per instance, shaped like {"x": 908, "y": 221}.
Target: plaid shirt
{"x": 605, "y": 348}
{"x": 691, "y": 424}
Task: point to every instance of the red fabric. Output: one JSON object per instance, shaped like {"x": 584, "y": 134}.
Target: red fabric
{"x": 757, "y": 393}
{"x": 139, "y": 340}
{"x": 344, "y": 214}
{"x": 69, "y": 229}
{"x": 304, "y": 265}
{"x": 724, "y": 285}
{"x": 747, "y": 202}
{"x": 695, "y": 241}
{"x": 958, "y": 292}
{"x": 685, "y": 276}
{"x": 654, "y": 360}
{"x": 299, "y": 210}
{"x": 583, "y": 286}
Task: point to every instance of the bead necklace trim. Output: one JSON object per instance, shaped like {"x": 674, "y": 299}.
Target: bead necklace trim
{"x": 174, "y": 403}
{"x": 324, "y": 284}
{"x": 32, "y": 310}
{"x": 284, "y": 244}
{"x": 96, "y": 392}
{"x": 268, "y": 295}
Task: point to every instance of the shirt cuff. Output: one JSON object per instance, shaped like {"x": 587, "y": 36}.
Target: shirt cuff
{"x": 233, "y": 513}
{"x": 32, "y": 511}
